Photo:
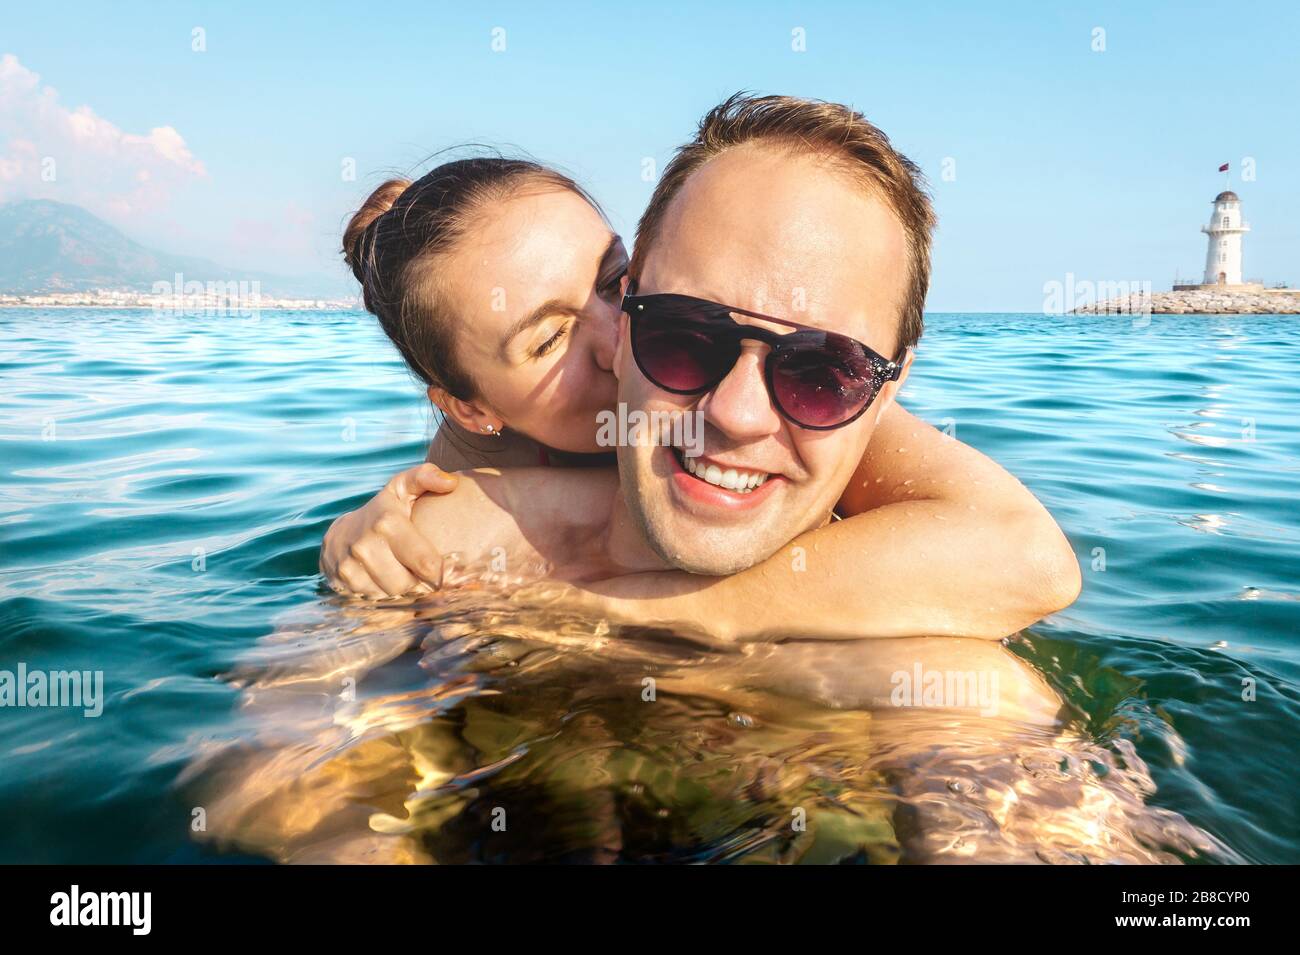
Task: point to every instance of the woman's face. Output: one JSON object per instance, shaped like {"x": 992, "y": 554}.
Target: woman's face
{"x": 536, "y": 285}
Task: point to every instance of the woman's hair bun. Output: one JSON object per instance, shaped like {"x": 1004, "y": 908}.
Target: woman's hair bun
{"x": 379, "y": 202}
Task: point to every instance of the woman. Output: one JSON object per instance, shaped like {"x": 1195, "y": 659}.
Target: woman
{"x": 500, "y": 281}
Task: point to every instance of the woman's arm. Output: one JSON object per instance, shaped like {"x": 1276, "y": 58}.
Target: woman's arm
{"x": 375, "y": 551}
{"x": 942, "y": 541}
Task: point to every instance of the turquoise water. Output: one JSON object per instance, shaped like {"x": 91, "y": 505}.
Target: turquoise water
{"x": 166, "y": 484}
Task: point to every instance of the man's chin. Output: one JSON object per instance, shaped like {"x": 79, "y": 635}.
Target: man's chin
{"x": 705, "y": 529}
{"x": 721, "y": 560}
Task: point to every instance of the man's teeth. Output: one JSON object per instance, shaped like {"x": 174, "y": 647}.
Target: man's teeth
{"x": 732, "y": 479}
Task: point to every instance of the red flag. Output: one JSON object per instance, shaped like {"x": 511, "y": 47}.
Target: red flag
{"x": 1223, "y": 168}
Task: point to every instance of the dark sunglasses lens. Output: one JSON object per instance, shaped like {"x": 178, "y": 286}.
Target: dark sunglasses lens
{"x": 679, "y": 355}
{"x": 821, "y": 386}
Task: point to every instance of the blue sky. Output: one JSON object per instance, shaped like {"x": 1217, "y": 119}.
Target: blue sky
{"x": 1066, "y": 159}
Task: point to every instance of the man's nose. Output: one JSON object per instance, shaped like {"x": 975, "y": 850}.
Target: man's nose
{"x": 740, "y": 406}
{"x": 602, "y": 329}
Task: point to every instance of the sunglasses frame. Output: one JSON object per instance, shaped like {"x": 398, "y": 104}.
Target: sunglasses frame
{"x": 883, "y": 369}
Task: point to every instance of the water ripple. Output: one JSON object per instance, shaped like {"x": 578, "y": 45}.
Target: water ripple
{"x": 166, "y": 485}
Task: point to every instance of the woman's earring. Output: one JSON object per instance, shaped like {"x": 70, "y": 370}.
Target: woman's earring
{"x": 491, "y": 429}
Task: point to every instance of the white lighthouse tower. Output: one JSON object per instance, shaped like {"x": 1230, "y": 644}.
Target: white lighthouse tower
{"x": 1223, "y": 256}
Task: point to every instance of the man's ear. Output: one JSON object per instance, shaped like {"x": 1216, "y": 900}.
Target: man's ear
{"x": 467, "y": 414}
{"x": 891, "y": 390}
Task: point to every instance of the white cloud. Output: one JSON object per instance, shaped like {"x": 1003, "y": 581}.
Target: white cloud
{"x": 74, "y": 155}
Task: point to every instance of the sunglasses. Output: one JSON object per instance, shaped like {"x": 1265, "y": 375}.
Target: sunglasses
{"x": 817, "y": 379}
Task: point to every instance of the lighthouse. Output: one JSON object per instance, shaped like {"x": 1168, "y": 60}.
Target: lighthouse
{"x": 1223, "y": 254}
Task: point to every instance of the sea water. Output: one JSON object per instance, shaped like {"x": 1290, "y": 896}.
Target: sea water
{"x": 165, "y": 484}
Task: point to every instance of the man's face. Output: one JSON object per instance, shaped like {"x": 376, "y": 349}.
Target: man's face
{"x": 788, "y": 235}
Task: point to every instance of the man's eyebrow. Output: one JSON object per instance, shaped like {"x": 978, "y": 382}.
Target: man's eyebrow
{"x": 554, "y": 305}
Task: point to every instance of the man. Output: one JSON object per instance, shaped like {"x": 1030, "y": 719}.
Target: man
{"x": 799, "y": 212}
{"x": 783, "y": 212}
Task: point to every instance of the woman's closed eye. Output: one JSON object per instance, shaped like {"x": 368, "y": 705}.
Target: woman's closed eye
{"x": 552, "y": 342}
{"x": 608, "y": 290}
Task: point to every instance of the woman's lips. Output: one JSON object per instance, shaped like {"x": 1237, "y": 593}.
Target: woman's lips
{"x": 698, "y": 491}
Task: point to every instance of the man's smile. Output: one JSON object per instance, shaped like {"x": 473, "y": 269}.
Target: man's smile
{"x": 702, "y": 483}
{"x": 741, "y": 480}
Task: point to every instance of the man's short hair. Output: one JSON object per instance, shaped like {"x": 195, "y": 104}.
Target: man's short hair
{"x": 829, "y": 129}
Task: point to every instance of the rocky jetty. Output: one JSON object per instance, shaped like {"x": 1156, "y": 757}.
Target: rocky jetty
{"x": 1206, "y": 301}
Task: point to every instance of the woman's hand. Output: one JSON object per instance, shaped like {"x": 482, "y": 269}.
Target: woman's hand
{"x": 376, "y": 551}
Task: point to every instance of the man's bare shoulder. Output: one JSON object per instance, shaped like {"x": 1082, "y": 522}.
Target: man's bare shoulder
{"x": 553, "y": 512}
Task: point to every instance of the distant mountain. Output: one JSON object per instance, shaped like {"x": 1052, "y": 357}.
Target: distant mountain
{"x": 48, "y": 246}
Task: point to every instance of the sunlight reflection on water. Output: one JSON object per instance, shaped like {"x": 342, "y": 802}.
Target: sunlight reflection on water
{"x": 503, "y": 732}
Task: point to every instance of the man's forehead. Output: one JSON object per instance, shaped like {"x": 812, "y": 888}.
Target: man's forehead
{"x": 783, "y": 232}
